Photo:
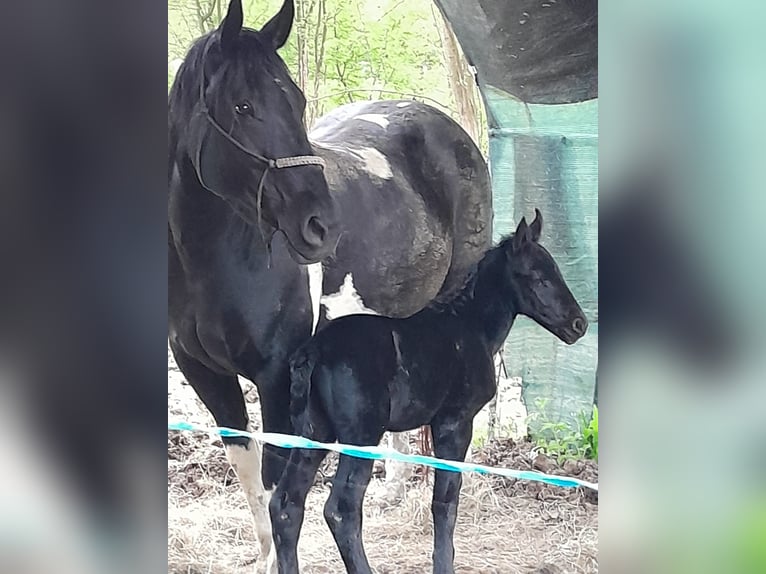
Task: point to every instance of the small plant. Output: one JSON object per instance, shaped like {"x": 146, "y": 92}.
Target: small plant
{"x": 479, "y": 438}
{"x": 590, "y": 433}
{"x": 564, "y": 441}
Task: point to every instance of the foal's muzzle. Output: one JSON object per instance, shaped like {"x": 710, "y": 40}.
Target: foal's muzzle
{"x": 575, "y": 330}
{"x": 580, "y": 326}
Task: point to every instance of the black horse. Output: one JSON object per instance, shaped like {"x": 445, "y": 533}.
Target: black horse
{"x": 406, "y": 214}
{"x": 361, "y": 376}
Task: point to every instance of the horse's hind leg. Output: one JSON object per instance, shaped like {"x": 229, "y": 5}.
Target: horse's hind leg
{"x": 223, "y": 397}
{"x": 451, "y": 441}
{"x": 288, "y": 504}
{"x": 343, "y": 511}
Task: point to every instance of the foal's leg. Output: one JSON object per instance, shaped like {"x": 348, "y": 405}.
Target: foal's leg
{"x": 451, "y": 441}
{"x": 343, "y": 511}
{"x": 288, "y": 504}
{"x": 223, "y": 397}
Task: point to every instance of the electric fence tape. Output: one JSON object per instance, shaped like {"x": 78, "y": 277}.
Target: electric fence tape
{"x": 380, "y": 453}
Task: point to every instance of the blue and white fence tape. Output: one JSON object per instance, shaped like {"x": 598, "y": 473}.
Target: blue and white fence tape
{"x": 381, "y": 453}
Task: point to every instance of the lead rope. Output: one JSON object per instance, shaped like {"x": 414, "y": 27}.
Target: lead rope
{"x": 258, "y": 203}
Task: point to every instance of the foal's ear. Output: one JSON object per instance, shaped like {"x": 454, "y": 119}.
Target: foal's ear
{"x": 521, "y": 235}
{"x": 277, "y": 30}
{"x": 231, "y": 25}
{"x": 536, "y": 226}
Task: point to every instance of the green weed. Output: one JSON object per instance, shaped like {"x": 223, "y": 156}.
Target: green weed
{"x": 562, "y": 440}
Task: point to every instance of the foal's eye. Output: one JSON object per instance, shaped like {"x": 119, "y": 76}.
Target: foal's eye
{"x": 244, "y": 109}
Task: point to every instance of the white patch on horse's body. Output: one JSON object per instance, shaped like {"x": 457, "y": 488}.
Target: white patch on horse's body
{"x": 247, "y": 464}
{"x": 375, "y": 162}
{"x": 345, "y": 302}
{"x": 377, "y": 119}
{"x": 316, "y": 275}
{"x": 326, "y": 145}
{"x": 403, "y": 104}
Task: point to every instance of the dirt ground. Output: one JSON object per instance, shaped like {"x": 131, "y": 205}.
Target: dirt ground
{"x": 504, "y": 526}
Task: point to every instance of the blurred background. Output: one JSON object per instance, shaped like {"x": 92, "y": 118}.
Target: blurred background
{"x": 682, "y": 282}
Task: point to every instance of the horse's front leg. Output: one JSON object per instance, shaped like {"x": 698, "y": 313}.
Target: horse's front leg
{"x": 222, "y": 395}
{"x": 451, "y": 440}
{"x": 261, "y": 473}
{"x": 274, "y": 396}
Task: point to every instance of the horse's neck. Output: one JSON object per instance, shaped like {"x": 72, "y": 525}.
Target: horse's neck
{"x": 491, "y": 309}
{"x": 205, "y": 227}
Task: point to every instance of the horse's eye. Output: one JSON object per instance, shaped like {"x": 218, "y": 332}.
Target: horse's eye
{"x": 244, "y": 109}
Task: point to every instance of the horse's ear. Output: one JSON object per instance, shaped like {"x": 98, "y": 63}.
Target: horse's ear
{"x": 231, "y": 26}
{"x": 277, "y": 30}
{"x": 536, "y": 226}
{"x": 521, "y": 235}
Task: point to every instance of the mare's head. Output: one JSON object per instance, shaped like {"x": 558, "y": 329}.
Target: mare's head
{"x": 245, "y": 136}
{"x": 537, "y": 288}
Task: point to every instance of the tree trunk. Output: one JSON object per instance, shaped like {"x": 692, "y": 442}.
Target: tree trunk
{"x": 204, "y": 10}
{"x": 301, "y": 29}
{"x": 320, "y": 35}
{"x": 461, "y": 80}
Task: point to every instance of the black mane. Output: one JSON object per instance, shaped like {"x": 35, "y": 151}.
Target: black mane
{"x": 454, "y": 301}
{"x": 185, "y": 90}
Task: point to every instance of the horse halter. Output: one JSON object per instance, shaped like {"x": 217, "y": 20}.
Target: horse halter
{"x": 269, "y": 163}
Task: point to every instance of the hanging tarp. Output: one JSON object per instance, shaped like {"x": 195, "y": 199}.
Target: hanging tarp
{"x": 543, "y": 52}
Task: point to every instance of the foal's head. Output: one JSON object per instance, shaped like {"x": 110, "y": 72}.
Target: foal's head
{"x": 537, "y": 288}
{"x": 246, "y": 111}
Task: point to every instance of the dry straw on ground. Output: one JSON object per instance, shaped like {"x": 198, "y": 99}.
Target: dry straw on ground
{"x": 503, "y": 527}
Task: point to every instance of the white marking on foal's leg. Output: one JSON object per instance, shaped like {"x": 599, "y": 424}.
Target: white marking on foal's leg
{"x": 377, "y": 119}
{"x": 316, "y": 275}
{"x": 247, "y": 464}
{"x": 345, "y": 302}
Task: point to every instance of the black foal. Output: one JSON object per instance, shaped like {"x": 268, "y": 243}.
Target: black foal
{"x": 363, "y": 375}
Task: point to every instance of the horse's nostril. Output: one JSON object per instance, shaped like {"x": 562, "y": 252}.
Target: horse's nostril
{"x": 579, "y": 325}
{"x": 315, "y": 232}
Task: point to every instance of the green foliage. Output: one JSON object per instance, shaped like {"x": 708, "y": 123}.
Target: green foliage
{"x": 352, "y": 49}
{"x": 743, "y": 540}
{"x": 563, "y": 440}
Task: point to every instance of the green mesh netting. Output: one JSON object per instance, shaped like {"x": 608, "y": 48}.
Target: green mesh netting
{"x": 546, "y": 156}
